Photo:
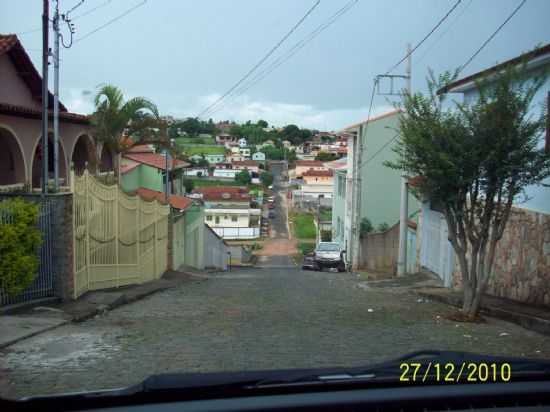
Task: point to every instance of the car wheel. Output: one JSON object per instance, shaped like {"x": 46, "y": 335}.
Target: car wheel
{"x": 341, "y": 268}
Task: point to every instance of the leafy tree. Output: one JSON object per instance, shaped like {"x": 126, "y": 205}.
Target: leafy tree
{"x": 189, "y": 185}
{"x": 266, "y": 179}
{"x": 262, "y": 123}
{"x": 325, "y": 156}
{"x": 191, "y": 126}
{"x": 475, "y": 160}
{"x": 114, "y": 118}
{"x": 19, "y": 243}
{"x": 382, "y": 227}
{"x": 243, "y": 177}
{"x": 236, "y": 131}
{"x": 365, "y": 227}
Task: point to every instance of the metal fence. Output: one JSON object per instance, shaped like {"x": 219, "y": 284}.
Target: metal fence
{"x": 44, "y": 282}
{"x": 118, "y": 239}
{"x": 237, "y": 232}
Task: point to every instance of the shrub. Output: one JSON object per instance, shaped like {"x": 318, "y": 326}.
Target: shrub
{"x": 365, "y": 227}
{"x": 382, "y": 227}
{"x": 19, "y": 242}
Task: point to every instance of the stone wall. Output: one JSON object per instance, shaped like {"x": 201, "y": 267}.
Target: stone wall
{"x": 522, "y": 263}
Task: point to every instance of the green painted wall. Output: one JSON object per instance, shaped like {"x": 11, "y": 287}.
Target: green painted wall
{"x": 130, "y": 180}
{"x": 380, "y": 192}
{"x": 151, "y": 178}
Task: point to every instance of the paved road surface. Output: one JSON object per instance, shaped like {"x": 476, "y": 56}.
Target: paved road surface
{"x": 269, "y": 317}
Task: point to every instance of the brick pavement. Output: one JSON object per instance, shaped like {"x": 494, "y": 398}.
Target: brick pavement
{"x": 251, "y": 318}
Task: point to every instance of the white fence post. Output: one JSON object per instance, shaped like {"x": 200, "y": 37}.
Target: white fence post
{"x": 117, "y": 269}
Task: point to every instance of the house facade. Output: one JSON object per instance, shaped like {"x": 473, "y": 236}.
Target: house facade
{"x": 251, "y": 165}
{"x": 214, "y": 158}
{"x": 258, "y": 156}
{"x": 370, "y": 189}
{"x": 522, "y": 262}
{"x": 141, "y": 167}
{"x": 21, "y": 125}
{"x": 229, "y": 213}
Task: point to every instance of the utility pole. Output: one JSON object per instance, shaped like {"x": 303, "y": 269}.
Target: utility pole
{"x": 404, "y": 206}
{"x": 56, "y": 97}
{"x": 45, "y": 56}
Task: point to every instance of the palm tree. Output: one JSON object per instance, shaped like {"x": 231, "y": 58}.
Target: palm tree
{"x": 114, "y": 120}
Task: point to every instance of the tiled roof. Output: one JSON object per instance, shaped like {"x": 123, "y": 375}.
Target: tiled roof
{"x": 128, "y": 167}
{"x": 141, "y": 148}
{"x": 155, "y": 160}
{"x": 318, "y": 173}
{"x": 30, "y": 113}
{"x": 176, "y": 201}
{"x": 224, "y": 193}
{"x": 10, "y": 45}
{"x": 309, "y": 163}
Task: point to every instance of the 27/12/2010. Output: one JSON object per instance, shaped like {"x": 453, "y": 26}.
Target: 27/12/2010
{"x": 453, "y": 373}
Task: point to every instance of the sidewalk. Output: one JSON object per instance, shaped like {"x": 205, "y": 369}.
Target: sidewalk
{"x": 531, "y": 317}
{"x": 32, "y": 321}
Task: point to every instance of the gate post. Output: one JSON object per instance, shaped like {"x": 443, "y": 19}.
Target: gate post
{"x": 117, "y": 269}
{"x": 138, "y": 234}
{"x": 87, "y": 210}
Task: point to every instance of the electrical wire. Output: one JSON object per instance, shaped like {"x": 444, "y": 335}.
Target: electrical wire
{"x": 289, "y": 53}
{"x": 114, "y": 19}
{"x": 273, "y": 49}
{"x": 91, "y": 10}
{"x": 492, "y": 36}
{"x": 444, "y": 32}
{"x": 425, "y": 37}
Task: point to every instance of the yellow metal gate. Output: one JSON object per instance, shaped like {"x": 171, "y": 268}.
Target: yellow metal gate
{"x": 118, "y": 239}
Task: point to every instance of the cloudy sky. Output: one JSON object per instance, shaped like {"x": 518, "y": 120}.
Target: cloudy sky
{"x": 185, "y": 54}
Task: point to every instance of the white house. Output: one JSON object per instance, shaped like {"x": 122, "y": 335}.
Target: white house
{"x": 196, "y": 171}
{"x": 215, "y": 158}
{"x": 244, "y": 152}
{"x": 242, "y": 142}
{"x": 228, "y": 212}
{"x": 258, "y": 156}
{"x": 225, "y": 173}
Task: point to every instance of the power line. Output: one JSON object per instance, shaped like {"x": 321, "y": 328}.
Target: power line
{"x": 451, "y": 25}
{"x": 425, "y": 37}
{"x": 92, "y": 10}
{"x": 273, "y": 49}
{"x": 492, "y": 35}
{"x": 291, "y": 52}
{"x": 114, "y": 19}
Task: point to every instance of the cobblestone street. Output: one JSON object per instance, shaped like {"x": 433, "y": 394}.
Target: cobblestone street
{"x": 271, "y": 317}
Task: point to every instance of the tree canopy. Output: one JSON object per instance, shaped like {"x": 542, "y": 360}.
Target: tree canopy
{"x": 475, "y": 160}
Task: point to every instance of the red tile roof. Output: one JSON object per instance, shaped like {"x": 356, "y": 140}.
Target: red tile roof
{"x": 141, "y": 148}
{"x": 176, "y": 201}
{"x": 318, "y": 173}
{"x": 128, "y": 167}
{"x": 10, "y": 45}
{"x": 155, "y": 160}
{"x": 224, "y": 193}
{"x": 30, "y": 113}
{"x": 310, "y": 163}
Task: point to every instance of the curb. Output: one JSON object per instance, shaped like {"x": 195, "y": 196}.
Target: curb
{"x": 30, "y": 335}
{"x": 533, "y": 323}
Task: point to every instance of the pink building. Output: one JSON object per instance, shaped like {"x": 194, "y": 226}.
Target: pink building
{"x": 20, "y": 124}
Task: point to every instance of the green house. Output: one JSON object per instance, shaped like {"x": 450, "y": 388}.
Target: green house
{"x": 142, "y": 167}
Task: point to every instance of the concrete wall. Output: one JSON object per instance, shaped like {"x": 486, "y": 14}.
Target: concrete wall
{"x": 130, "y": 180}
{"x": 339, "y": 208}
{"x": 13, "y": 89}
{"x": 522, "y": 263}
{"x": 215, "y": 251}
